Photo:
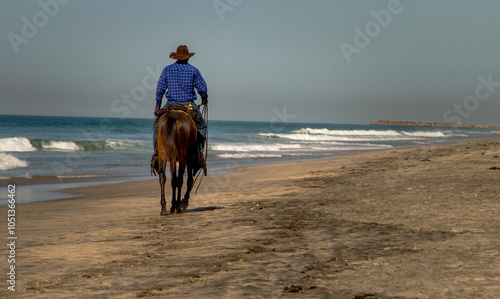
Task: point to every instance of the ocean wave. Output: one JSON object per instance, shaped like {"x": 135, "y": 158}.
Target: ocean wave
{"x": 8, "y": 161}
{"x": 129, "y": 144}
{"x": 23, "y": 144}
{"x": 309, "y": 134}
{"x": 251, "y": 147}
{"x": 437, "y": 134}
{"x": 325, "y": 131}
{"x": 348, "y": 146}
{"x": 60, "y": 146}
{"x": 301, "y": 137}
{"x": 247, "y": 155}
{"x": 79, "y": 176}
{"x": 114, "y": 145}
{"x": 16, "y": 144}
{"x": 244, "y": 150}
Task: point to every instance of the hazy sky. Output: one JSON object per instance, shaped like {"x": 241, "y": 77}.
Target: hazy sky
{"x": 301, "y": 61}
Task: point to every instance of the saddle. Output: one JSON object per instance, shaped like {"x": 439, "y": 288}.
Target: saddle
{"x": 178, "y": 107}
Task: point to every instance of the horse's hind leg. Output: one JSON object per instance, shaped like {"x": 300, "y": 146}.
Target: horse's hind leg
{"x": 162, "y": 186}
{"x": 185, "y": 200}
{"x": 173, "y": 182}
{"x": 180, "y": 181}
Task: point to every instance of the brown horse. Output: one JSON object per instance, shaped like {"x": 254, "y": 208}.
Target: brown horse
{"x": 176, "y": 135}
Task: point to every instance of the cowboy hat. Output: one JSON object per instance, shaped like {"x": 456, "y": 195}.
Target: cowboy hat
{"x": 182, "y": 53}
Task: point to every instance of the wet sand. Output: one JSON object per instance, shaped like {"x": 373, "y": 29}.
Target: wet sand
{"x": 410, "y": 223}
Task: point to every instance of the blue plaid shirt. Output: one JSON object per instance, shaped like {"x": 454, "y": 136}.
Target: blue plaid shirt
{"x": 179, "y": 81}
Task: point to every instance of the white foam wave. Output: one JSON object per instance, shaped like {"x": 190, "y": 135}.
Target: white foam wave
{"x": 348, "y": 146}
{"x": 60, "y": 145}
{"x": 325, "y": 131}
{"x": 80, "y": 176}
{"x": 126, "y": 145}
{"x": 252, "y": 147}
{"x": 242, "y": 150}
{"x": 357, "y": 148}
{"x": 115, "y": 144}
{"x": 302, "y": 137}
{"x": 16, "y": 144}
{"x": 8, "y": 161}
{"x": 309, "y": 134}
{"x": 424, "y": 134}
{"x": 247, "y": 156}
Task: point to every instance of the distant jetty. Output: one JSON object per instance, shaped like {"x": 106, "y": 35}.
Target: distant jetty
{"x": 406, "y": 123}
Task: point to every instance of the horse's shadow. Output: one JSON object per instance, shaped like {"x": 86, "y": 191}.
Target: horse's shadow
{"x": 202, "y": 209}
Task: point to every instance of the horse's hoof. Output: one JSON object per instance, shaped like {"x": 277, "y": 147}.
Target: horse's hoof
{"x": 164, "y": 213}
{"x": 184, "y": 204}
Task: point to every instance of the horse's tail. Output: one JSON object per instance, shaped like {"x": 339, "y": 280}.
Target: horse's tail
{"x": 180, "y": 144}
{"x": 185, "y": 139}
{"x": 181, "y": 136}
{"x": 172, "y": 142}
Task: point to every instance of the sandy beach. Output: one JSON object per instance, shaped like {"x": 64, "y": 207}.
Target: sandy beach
{"x": 409, "y": 223}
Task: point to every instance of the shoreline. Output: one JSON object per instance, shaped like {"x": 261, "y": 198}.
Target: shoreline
{"x": 400, "y": 223}
{"x": 79, "y": 191}
{"x": 48, "y": 188}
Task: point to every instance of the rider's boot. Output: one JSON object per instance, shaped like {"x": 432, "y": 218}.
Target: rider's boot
{"x": 154, "y": 164}
{"x": 201, "y": 160}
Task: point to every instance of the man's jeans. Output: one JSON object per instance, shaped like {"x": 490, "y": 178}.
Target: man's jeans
{"x": 202, "y": 128}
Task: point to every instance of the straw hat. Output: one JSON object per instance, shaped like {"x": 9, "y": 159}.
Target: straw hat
{"x": 182, "y": 53}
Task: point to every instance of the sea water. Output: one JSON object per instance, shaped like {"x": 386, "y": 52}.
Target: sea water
{"x": 66, "y": 149}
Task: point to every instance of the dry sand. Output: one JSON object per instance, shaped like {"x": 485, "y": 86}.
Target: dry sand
{"x": 412, "y": 223}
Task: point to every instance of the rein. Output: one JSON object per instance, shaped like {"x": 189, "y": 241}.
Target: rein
{"x": 205, "y": 116}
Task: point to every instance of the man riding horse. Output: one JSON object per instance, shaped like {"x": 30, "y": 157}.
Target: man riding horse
{"x": 179, "y": 80}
